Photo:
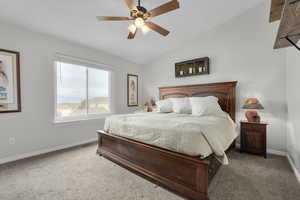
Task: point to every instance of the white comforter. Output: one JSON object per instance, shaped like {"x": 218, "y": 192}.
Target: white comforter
{"x": 182, "y": 133}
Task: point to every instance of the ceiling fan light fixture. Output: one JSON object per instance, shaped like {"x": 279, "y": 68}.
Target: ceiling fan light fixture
{"x": 145, "y": 29}
{"x": 139, "y": 22}
{"x": 132, "y": 28}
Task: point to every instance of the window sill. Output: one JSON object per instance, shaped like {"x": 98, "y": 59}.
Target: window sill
{"x": 80, "y": 119}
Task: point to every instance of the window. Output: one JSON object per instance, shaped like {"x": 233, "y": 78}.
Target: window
{"x": 81, "y": 92}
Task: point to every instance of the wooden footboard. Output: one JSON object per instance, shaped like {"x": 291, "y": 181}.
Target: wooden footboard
{"x": 185, "y": 175}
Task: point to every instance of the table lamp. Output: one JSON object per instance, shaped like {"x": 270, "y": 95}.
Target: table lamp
{"x": 252, "y": 104}
{"x": 150, "y": 105}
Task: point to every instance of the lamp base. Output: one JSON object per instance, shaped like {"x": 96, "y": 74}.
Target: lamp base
{"x": 252, "y": 116}
{"x": 149, "y": 109}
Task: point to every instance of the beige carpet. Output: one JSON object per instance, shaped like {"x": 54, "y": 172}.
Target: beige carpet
{"x": 79, "y": 174}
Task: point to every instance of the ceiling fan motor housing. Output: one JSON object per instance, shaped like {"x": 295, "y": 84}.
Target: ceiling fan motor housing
{"x": 140, "y": 12}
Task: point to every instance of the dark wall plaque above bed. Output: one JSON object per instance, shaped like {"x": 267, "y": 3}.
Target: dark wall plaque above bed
{"x": 194, "y": 67}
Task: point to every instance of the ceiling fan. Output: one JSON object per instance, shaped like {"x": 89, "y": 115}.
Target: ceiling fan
{"x": 141, "y": 15}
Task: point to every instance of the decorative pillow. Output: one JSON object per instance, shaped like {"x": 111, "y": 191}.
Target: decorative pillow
{"x": 164, "y": 106}
{"x": 205, "y": 106}
{"x": 181, "y": 105}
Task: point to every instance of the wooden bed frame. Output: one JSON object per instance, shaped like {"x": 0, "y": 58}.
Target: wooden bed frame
{"x": 184, "y": 175}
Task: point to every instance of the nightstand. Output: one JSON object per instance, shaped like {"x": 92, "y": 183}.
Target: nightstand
{"x": 254, "y": 138}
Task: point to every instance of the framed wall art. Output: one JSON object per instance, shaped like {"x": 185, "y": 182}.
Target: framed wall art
{"x": 10, "y": 91}
{"x": 199, "y": 66}
{"x": 132, "y": 90}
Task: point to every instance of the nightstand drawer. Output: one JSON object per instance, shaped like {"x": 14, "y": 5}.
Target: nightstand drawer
{"x": 251, "y": 127}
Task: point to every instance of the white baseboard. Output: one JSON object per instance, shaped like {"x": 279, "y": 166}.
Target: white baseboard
{"x": 270, "y": 151}
{"x": 44, "y": 151}
{"x": 276, "y": 152}
{"x": 297, "y": 173}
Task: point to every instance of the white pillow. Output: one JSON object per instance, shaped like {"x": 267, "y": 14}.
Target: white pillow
{"x": 181, "y": 105}
{"x": 205, "y": 106}
{"x": 164, "y": 106}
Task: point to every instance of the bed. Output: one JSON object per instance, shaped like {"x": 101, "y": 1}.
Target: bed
{"x": 186, "y": 175}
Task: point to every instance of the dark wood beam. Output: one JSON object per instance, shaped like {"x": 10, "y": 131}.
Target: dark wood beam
{"x": 276, "y": 10}
{"x": 289, "y": 25}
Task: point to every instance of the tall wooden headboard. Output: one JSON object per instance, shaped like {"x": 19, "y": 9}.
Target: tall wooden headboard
{"x": 224, "y": 91}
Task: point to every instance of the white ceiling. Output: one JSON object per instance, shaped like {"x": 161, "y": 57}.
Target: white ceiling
{"x": 75, "y": 21}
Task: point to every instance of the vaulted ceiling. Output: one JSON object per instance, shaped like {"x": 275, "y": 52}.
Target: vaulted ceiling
{"x": 75, "y": 20}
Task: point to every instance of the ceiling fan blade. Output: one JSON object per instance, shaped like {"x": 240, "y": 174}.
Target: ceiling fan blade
{"x": 131, "y": 35}
{"x": 131, "y": 5}
{"x": 172, "y": 5}
{"x": 157, "y": 28}
{"x": 102, "y": 18}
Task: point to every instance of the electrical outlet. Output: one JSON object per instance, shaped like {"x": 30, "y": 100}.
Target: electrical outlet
{"x": 12, "y": 140}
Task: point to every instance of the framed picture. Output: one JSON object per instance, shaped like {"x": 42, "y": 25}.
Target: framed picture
{"x": 132, "y": 90}
{"x": 10, "y": 92}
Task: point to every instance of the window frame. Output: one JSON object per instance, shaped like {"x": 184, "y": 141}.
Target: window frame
{"x": 87, "y": 64}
